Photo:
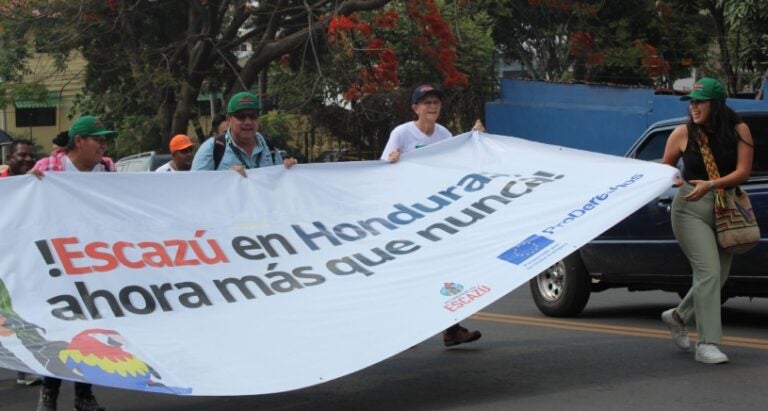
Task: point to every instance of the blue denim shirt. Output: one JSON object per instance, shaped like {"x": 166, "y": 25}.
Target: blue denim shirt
{"x": 259, "y": 158}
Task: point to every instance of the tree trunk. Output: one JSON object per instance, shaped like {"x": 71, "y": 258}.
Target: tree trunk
{"x": 718, "y": 16}
{"x": 764, "y": 83}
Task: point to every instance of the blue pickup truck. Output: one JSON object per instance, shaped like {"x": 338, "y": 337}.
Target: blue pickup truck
{"x": 641, "y": 253}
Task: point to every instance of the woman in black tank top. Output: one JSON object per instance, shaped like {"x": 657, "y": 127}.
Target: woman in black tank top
{"x": 713, "y": 123}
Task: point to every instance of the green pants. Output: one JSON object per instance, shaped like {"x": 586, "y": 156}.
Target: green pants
{"x": 693, "y": 224}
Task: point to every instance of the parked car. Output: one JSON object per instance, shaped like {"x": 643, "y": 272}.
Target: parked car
{"x": 641, "y": 253}
{"x": 147, "y": 161}
{"x": 342, "y": 154}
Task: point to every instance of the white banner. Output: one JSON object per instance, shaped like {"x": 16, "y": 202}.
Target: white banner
{"x": 208, "y": 283}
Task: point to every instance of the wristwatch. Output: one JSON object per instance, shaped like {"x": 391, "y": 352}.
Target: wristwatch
{"x": 711, "y": 185}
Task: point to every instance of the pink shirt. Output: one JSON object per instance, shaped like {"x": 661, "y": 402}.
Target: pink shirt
{"x": 57, "y": 161}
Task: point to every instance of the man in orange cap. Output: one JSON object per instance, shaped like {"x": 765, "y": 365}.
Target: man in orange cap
{"x": 182, "y": 153}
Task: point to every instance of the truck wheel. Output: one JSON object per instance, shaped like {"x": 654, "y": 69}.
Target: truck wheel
{"x": 562, "y": 290}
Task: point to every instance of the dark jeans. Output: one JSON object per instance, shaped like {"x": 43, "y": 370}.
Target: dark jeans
{"x": 81, "y": 389}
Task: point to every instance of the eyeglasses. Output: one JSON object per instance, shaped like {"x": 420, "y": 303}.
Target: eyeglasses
{"x": 242, "y": 116}
{"x": 430, "y": 101}
{"x": 695, "y": 102}
{"x": 98, "y": 139}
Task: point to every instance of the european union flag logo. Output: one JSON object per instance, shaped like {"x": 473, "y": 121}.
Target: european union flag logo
{"x": 523, "y": 251}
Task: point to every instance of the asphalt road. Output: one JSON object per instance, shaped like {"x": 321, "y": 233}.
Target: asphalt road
{"x": 617, "y": 355}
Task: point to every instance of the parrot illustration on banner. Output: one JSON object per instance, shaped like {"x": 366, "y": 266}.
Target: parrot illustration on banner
{"x": 94, "y": 355}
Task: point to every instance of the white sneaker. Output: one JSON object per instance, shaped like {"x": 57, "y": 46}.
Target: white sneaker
{"x": 709, "y": 354}
{"x": 678, "y": 330}
{"x": 28, "y": 379}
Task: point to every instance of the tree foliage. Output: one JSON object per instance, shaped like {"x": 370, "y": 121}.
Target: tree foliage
{"x": 349, "y": 65}
{"x": 360, "y": 90}
{"x": 148, "y": 61}
{"x": 740, "y": 30}
{"x": 640, "y": 42}
{"x": 647, "y": 42}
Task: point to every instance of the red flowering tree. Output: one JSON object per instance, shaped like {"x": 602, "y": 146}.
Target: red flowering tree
{"x": 368, "y": 45}
{"x": 372, "y": 64}
{"x": 379, "y": 57}
{"x": 632, "y": 42}
{"x": 653, "y": 62}
{"x": 148, "y": 62}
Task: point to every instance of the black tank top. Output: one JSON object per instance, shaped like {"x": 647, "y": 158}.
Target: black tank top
{"x": 693, "y": 163}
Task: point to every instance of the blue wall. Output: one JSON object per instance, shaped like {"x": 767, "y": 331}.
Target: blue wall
{"x": 601, "y": 118}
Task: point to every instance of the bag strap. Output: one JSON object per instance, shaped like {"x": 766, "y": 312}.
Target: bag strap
{"x": 712, "y": 171}
{"x": 219, "y": 145}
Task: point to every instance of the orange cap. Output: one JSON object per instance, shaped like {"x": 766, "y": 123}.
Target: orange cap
{"x": 180, "y": 142}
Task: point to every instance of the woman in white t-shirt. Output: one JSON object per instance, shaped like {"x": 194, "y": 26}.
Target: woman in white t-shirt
{"x": 426, "y": 102}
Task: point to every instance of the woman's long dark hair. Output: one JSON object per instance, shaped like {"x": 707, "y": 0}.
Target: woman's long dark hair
{"x": 62, "y": 139}
{"x": 720, "y": 125}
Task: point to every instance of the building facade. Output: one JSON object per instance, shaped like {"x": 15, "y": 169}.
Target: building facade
{"x": 40, "y": 119}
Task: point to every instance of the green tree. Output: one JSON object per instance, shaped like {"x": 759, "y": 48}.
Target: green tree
{"x": 639, "y": 42}
{"x": 361, "y": 89}
{"x": 148, "y": 61}
{"x": 533, "y": 34}
{"x": 741, "y": 30}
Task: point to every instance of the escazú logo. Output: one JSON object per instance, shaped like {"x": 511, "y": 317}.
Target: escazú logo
{"x": 462, "y": 297}
{"x": 450, "y": 289}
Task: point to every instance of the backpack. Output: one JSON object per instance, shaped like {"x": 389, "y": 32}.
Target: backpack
{"x": 220, "y": 144}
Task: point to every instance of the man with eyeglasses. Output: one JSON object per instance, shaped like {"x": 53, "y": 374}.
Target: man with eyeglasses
{"x": 20, "y": 159}
{"x": 241, "y": 147}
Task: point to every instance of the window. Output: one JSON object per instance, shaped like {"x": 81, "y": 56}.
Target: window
{"x": 204, "y": 108}
{"x": 36, "y": 117}
{"x": 758, "y": 127}
{"x": 652, "y": 148}
{"x": 204, "y": 104}
{"x": 36, "y": 113}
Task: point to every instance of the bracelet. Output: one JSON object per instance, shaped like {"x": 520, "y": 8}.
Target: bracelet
{"x": 711, "y": 185}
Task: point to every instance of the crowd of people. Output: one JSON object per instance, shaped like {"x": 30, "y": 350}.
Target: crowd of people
{"x": 82, "y": 148}
{"x": 237, "y": 145}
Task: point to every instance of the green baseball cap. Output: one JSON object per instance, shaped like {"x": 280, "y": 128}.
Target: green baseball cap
{"x": 243, "y": 100}
{"x": 89, "y": 126}
{"x": 706, "y": 88}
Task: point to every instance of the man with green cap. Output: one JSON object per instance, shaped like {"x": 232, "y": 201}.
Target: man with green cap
{"x": 242, "y": 147}
{"x": 83, "y": 152}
